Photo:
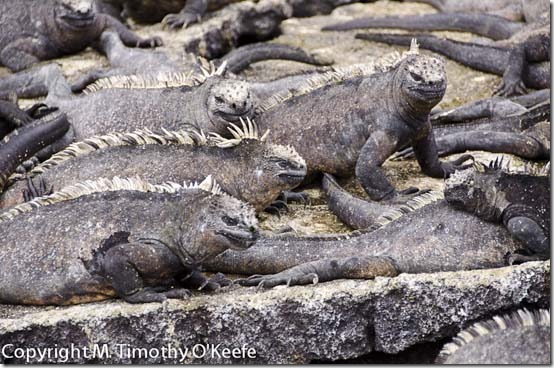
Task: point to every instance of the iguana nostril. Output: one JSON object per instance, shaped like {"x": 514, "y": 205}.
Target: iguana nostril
{"x": 234, "y": 106}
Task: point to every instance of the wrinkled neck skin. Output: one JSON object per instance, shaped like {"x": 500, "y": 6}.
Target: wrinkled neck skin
{"x": 414, "y": 113}
{"x": 492, "y": 208}
{"x": 67, "y": 38}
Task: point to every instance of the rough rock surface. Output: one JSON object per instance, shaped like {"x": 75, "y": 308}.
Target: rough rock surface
{"x": 330, "y": 321}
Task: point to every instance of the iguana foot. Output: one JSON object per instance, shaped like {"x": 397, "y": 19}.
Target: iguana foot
{"x": 299, "y": 197}
{"x": 177, "y": 293}
{"x": 404, "y": 154}
{"x": 180, "y": 20}
{"x": 288, "y": 278}
{"x": 448, "y": 167}
{"x": 150, "y": 42}
{"x": 510, "y": 88}
{"x": 402, "y": 196}
{"x": 146, "y": 295}
{"x": 277, "y": 208}
{"x": 33, "y": 191}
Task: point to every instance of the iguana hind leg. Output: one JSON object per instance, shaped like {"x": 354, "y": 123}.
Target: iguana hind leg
{"x": 138, "y": 271}
{"x": 326, "y": 270}
{"x": 193, "y": 11}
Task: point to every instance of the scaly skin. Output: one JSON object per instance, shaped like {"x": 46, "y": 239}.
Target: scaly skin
{"x": 32, "y": 31}
{"x": 523, "y": 61}
{"x": 125, "y": 243}
{"x": 510, "y": 9}
{"x": 253, "y": 171}
{"x": 11, "y": 117}
{"x": 434, "y": 238}
{"x": 520, "y": 202}
{"x": 363, "y": 121}
{"x": 521, "y": 337}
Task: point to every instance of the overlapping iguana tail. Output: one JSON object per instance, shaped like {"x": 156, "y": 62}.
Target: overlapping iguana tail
{"x": 239, "y": 59}
{"x": 28, "y": 142}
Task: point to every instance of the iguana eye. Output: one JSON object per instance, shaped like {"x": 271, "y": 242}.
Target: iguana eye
{"x": 229, "y": 221}
{"x": 219, "y": 99}
{"x": 416, "y": 77}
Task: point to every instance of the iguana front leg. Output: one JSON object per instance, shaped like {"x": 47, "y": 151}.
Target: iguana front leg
{"x": 143, "y": 272}
{"x": 193, "y": 11}
{"x": 326, "y": 270}
{"x": 22, "y": 53}
{"x": 380, "y": 146}
{"x": 128, "y": 38}
{"x": 425, "y": 151}
{"x": 512, "y": 80}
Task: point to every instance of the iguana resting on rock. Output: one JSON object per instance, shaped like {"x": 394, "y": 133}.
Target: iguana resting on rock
{"x": 523, "y": 60}
{"x": 353, "y": 120}
{"x": 31, "y": 31}
{"x": 121, "y": 237}
{"x": 246, "y": 166}
{"x": 127, "y": 61}
{"x": 206, "y": 102}
{"x": 27, "y": 143}
{"x": 431, "y": 237}
{"x": 526, "y": 135}
{"x": 520, "y": 202}
{"x": 521, "y": 337}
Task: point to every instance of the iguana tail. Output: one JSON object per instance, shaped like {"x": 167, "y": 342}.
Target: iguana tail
{"x": 239, "y": 59}
{"x": 27, "y": 143}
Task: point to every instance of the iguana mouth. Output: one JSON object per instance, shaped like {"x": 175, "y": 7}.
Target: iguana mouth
{"x": 239, "y": 239}
{"x": 232, "y": 116}
{"x": 79, "y": 21}
{"x": 292, "y": 175}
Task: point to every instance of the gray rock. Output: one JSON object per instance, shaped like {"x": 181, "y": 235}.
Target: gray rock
{"x": 330, "y": 321}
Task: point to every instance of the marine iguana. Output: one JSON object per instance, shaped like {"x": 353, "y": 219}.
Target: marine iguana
{"x": 246, "y": 167}
{"x": 520, "y": 202}
{"x": 205, "y": 101}
{"x": 127, "y": 61}
{"x": 388, "y": 107}
{"x": 11, "y": 117}
{"x": 523, "y": 61}
{"x": 526, "y": 135}
{"x": 31, "y": 31}
{"x": 433, "y": 238}
{"x": 29, "y": 142}
{"x": 122, "y": 237}
{"x": 510, "y": 9}
{"x": 520, "y": 337}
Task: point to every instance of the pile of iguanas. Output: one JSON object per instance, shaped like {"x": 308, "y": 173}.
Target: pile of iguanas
{"x": 132, "y": 180}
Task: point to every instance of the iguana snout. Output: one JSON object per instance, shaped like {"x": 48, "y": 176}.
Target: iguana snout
{"x": 424, "y": 79}
{"x": 228, "y": 102}
{"x": 77, "y": 13}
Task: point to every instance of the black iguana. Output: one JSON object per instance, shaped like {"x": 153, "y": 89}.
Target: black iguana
{"x": 121, "y": 237}
{"x": 31, "y": 31}
{"x": 520, "y": 337}
{"x": 509, "y": 9}
{"x": 352, "y": 120}
{"x": 246, "y": 166}
{"x": 521, "y": 202}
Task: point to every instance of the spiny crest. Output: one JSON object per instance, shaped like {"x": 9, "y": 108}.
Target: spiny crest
{"x": 499, "y": 165}
{"x": 335, "y": 76}
{"x": 248, "y": 130}
{"x": 159, "y": 80}
{"x": 412, "y": 205}
{"x": 136, "y": 138}
{"x": 519, "y": 319}
{"x": 286, "y": 153}
{"x": 89, "y": 187}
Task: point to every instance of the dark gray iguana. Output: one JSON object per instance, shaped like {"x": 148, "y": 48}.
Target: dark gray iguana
{"x": 523, "y": 60}
{"x": 520, "y": 337}
{"x": 246, "y": 166}
{"x": 122, "y": 237}
{"x": 31, "y": 31}
{"x": 205, "y": 101}
{"x": 353, "y": 120}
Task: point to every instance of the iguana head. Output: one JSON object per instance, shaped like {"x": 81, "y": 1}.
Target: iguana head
{"x": 228, "y": 101}
{"x": 76, "y": 13}
{"x": 476, "y": 190}
{"x": 422, "y": 80}
{"x": 223, "y": 222}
